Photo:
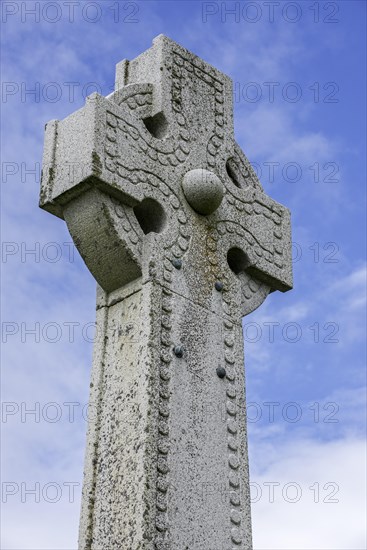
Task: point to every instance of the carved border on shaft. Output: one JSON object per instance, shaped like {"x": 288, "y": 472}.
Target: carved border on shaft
{"x": 239, "y": 536}
{"x": 175, "y": 250}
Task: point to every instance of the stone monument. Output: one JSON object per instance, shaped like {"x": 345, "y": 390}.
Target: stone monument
{"x": 174, "y": 225}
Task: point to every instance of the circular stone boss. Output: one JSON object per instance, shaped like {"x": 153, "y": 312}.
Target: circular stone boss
{"x": 203, "y": 190}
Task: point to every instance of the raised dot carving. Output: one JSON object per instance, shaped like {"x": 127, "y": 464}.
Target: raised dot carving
{"x": 183, "y": 244}
{"x": 232, "y": 444}
{"x": 232, "y": 427}
{"x": 233, "y": 462}
{"x": 276, "y": 218}
{"x": 254, "y": 286}
{"x": 166, "y": 356}
{"x": 164, "y": 392}
{"x": 176, "y": 252}
{"x": 178, "y": 60}
{"x": 211, "y": 149}
{"x": 235, "y": 517}
{"x": 231, "y": 408}
{"x": 230, "y": 374}
{"x": 162, "y": 466}
{"x": 111, "y": 134}
{"x": 164, "y": 373}
{"x": 180, "y": 155}
{"x": 134, "y": 238}
{"x": 175, "y": 202}
{"x": 166, "y": 305}
{"x": 152, "y": 153}
{"x": 162, "y": 159}
{"x": 257, "y": 208}
{"x": 181, "y": 217}
{"x": 184, "y": 134}
{"x": 247, "y": 293}
{"x": 278, "y": 249}
{"x": 131, "y": 102}
{"x": 234, "y": 480}
{"x": 236, "y": 536}
{"x": 163, "y": 428}
{"x": 166, "y": 322}
{"x": 235, "y": 499}
{"x": 111, "y": 149}
{"x": 184, "y": 231}
{"x": 212, "y": 259}
{"x": 162, "y": 484}
{"x": 161, "y": 503}
{"x": 164, "y": 410}
{"x": 229, "y": 357}
{"x": 168, "y": 265}
{"x": 161, "y": 522}
{"x": 110, "y": 165}
{"x": 229, "y": 341}
{"x": 173, "y": 160}
{"x": 163, "y": 446}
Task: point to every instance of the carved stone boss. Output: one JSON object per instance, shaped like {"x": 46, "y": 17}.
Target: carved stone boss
{"x": 175, "y": 227}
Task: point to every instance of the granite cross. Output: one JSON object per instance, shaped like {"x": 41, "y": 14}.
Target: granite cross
{"x": 171, "y": 220}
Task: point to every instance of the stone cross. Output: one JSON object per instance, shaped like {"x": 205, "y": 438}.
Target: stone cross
{"x": 175, "y": 227}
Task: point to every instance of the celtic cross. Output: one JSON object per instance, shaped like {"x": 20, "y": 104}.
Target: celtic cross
{"x": 172, "y": 222}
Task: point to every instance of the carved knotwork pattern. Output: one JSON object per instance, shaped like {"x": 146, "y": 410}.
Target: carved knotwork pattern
{"x": 166, "y": 152}
{"x": 184, "y": 69}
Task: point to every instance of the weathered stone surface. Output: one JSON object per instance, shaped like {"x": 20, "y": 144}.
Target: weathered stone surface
{"x": 173, "y": 223}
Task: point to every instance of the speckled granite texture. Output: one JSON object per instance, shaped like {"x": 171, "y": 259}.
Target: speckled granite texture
{"x": 174, "y": 225}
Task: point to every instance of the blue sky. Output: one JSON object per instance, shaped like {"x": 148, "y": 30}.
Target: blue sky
{"x": 300, "y": 90}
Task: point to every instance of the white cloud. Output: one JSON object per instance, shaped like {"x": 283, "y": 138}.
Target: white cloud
{"x": 338, "y": 467}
